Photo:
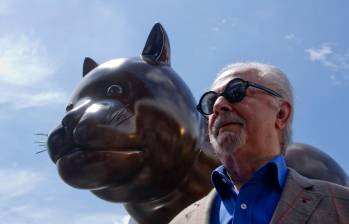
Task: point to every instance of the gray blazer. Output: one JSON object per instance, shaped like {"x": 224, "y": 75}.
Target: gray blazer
{"x": 303, "y": 200}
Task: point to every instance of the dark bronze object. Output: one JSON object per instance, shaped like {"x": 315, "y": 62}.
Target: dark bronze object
{"x": 314, "y": 163}
{"x": 131, "y": 134}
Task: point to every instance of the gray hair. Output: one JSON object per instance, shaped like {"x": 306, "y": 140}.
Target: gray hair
{"x": 276, "y": 79}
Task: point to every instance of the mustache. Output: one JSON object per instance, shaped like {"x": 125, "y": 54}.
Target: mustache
{"x": 224, "y": 119}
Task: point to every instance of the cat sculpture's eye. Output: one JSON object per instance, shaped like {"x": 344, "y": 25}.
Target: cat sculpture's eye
{"x": 114, "y": 90}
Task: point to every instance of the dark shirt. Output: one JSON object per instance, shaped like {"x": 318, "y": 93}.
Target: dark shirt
{"x": 257, "y": 199}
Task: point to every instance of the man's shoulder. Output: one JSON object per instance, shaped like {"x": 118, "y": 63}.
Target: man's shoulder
{"x": 197, "y": 212}
{"x": 312, "y": 201}
{"x": 331, "y": 189}
{"x": 322, "y": 187}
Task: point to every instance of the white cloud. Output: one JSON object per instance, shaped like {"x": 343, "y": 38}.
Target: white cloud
{"x": 36, "y": 214}
{"x": 319, "y": 54}
{"x": 343, "y": 60}
{"x": 328, "y": 57}
{"x": 27, "y": 214}
{"x": 293, "y": 38}
{"x": 18, "y": 188}
{"x": 26, "y": 100}
{"x": 338, "y": 62}
{"x": 106, "y": 218}
{"x": 125, "y": 219}
{"x": 322, "y": 55}
{"x": 25, "y": 67}
{"x": 18, "y": 182}
{"x": 23, "y": 61}
{"x": 290, "y": 36}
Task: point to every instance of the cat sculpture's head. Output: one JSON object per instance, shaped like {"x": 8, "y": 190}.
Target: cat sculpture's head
{"x": 130, "y": 124}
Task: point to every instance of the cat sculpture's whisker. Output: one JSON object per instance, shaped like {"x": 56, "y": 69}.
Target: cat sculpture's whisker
{"x": 41, "y": 143}
{"x": 41, "y": 134}
{"x": 41, "y": 151}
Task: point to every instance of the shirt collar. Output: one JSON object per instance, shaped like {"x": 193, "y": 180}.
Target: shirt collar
{"x": 222, "y": 182}
{"x": 282, "y": 169}
{"x": 276, "y": 168}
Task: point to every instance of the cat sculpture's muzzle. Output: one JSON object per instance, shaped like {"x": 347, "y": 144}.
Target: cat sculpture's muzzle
{"x": 94, "y": 141}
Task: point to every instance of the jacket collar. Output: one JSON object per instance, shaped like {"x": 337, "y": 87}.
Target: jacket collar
{"x": 297, "y": 203}
{"x": 298, "y": 200}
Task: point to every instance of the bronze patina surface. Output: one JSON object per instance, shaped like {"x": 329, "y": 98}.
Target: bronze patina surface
{"x": 314, "y": 163}
{"x": 131, "y": 134}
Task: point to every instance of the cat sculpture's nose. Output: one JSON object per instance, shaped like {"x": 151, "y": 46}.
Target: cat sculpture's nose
{"x": 70, "y": 121}
{"x": 73, "y": 116}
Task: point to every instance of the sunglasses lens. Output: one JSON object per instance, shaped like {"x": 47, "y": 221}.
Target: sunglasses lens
{"x": 207, "y": 102}
{"x": 235, "y": 91}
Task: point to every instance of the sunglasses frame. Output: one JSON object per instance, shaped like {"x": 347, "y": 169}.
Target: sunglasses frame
{"x": 245, "y": 85}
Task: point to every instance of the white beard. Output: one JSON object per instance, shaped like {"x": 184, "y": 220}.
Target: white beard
{"x": 227, "y": 142}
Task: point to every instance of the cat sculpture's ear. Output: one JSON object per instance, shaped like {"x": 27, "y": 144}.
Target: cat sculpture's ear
{"x": 157, "y": 48}
{"x": 89, "y": 64}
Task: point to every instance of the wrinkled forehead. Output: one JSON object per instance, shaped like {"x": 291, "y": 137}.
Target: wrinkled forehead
{"x": 222, "y": 80}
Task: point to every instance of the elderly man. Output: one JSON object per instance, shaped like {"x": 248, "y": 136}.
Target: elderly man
{"x": 249, "y": 111}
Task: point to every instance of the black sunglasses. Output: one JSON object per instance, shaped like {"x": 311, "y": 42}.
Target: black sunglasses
{"x": 234, "y": 92}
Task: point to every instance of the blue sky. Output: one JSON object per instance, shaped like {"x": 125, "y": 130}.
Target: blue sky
{"x": 43, "y": 44}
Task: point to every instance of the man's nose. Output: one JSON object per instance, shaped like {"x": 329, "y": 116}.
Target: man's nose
{"x": 221, "y": 104}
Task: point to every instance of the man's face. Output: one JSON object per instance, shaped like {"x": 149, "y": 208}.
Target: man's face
{"x": 247, "y": 127}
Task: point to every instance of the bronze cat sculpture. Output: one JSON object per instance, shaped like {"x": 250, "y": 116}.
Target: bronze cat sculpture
{"x": 131, "y": 135}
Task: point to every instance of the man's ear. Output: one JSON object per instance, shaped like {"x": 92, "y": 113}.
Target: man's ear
{"x": 283, "y": 115}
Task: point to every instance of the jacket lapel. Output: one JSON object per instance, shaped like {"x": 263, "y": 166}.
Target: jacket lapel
{"x": 298, "y": 200}
{"x": 202, "y": 209}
